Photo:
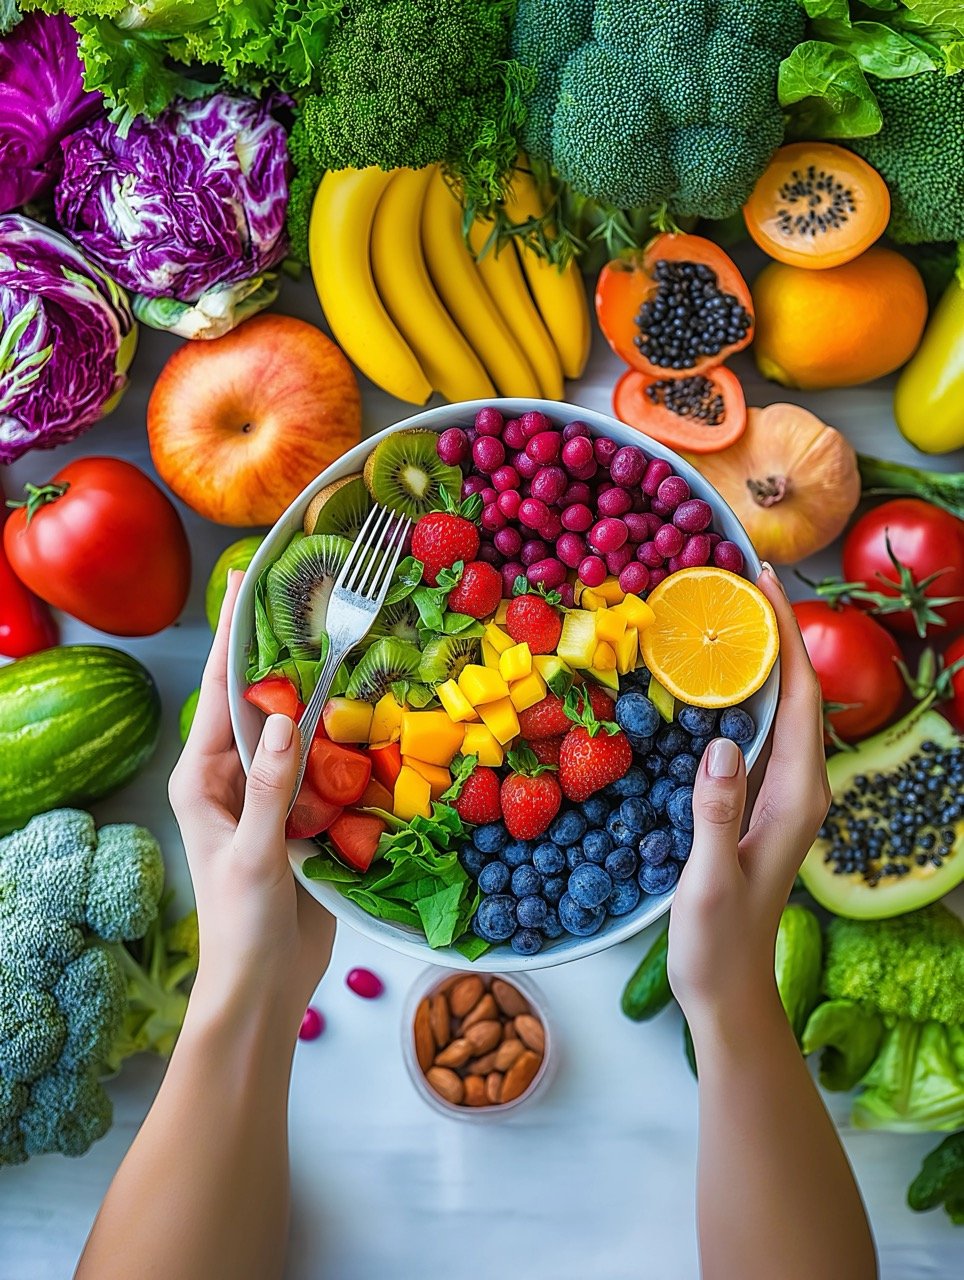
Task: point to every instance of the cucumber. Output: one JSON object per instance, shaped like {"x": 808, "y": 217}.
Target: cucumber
{"x": 76, "y": 722}
{"x": 648, "y": 991}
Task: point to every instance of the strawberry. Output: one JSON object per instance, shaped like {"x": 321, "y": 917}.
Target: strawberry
{"x": 593, "y": 753}
{"x": 441, "y": 538}
{"x": 603, "y": 707}
{"x": 530, "y": 796}
{"x": 545, "y": 750}
{"x": 478, "y": 591}
{"x": 478, "y": 801}
{"x": 546, "y": 719}
{"x": 532, "y": 619}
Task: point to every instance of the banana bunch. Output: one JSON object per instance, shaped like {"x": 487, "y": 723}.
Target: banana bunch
{"x": 417, "y": 312}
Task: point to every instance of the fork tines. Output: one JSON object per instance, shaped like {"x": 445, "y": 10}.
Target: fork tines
{"x": 375, "y": 554}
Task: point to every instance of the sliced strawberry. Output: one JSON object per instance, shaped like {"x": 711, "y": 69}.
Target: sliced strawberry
{"x": 339, "y": 774}
{"x": 275, "y": 695}
{"x": 386, "y": 763}
{"x": 311, "y": 815}
{"x": 354, "y": 837}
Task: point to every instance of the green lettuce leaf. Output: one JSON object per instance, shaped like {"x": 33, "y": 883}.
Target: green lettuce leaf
{"x": 916, "y": 1083}
{"x": 828, "y": 92}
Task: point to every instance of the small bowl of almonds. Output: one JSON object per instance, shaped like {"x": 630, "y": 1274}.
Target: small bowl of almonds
{"x": 476, "y": 1045}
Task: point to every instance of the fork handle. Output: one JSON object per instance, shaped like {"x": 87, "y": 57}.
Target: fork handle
{"x": 312, "y": 714}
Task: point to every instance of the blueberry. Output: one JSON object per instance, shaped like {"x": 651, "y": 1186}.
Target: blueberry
{"x": 472, "y": 860}
{"x": 682, "y": 844}
{"x": 493, "y": 877}
{"x": 596, "y": 810}
{"x": 672, "y": 741}
{"x": 656, "y": 847}
{"x": 526, "y": 880}
{"x": 633, "y": 783}
{"x": 596, "y": 845}
{"x": 697, "y": 720}
{"x": 551, "y": 927}
{"x": 699, "y": 745}
{"x": 531, "y": 911}
{"x": 554, "y": 888}
{"x": 636, "y": 714}
{"x": 618, "y": 830}
{"x": 490, "y": 837}
{"x": 516, "y": 853}
{"x": 547, "y": 858}
{"x": 638, "y": 815}
{"x": 590, "y": 886}
{"x": 655, "y": 765}
{"x": 658, "y": 879}
{"x": 682, "y": 769}
{"x": 622, "y": 863}
{"x": 624, "y": 897}
{"x": 660, "y": 792}
{"x": 642, "y": 746}
{"x": 575, "y": 856}
{"x": 496, "y": 918}
{"x": 567, "y": 828}
{"x": 526, "y": 942}
{"x": 679, "y": 808}
{"x": 576, "y": 919}
{"x": 737, "y": 725}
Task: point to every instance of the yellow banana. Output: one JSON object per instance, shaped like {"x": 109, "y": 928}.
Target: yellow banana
{"x": 460, "y": 286}
{"x": 403, "y": 283}
{"x": 560, "y": 295}
{"x": 502, "y": 275}
{"x": 338, "y": 240}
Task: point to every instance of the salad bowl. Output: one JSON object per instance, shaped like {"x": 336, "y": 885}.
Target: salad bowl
{"x": 247, "y": 720}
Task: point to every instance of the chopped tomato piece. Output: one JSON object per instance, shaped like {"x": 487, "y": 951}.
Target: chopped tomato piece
{"x": 386, "y": 764}
{"x": 354, "y": 837}
{"x": 339, "y": 774}
{"x": 275, "y": 695}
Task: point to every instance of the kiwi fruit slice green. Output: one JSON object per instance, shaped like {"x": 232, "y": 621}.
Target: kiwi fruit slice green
{"x": 384, "y": 663}
{"x": 405, "y": 473}
{"x": 444, "y": 657}
{"x": 298, "y": 588}
{"x": 341, "y": 507}
{"x": 397, "y": 621}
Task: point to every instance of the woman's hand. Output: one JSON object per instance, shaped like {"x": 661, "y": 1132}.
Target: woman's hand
{"x": 261, "y": 934}
{"x": 731, "y": 894}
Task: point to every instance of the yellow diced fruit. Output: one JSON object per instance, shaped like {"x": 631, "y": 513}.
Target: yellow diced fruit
{"x": 430, "y": 736}
{"x": 515, "y": 663}
{"x": 500, "y": 718}
{"x": 437, "y": 777}
{"x": 482, "y": 684}
{"x": 348, "y": 719}
{"x": 610, "y": 590}
{"x": 610, "y": 626}
{"x": 386, "y": 721}
{"x": 609, "y": 679}
{"x": 637, "y": 612}
{"x": 490, "y": 655}
{"x": 479, "y": 742}
{"x": 604, "y": 659}
{"x": 499, "y": 640}
{"x": 556, "y": 673}
{"x": 577, "y": 643}
{"x": 627, "y": 650}
{"x": 528, "y": 691}
{"x": 413, "y": 795}
{"x": 502, "y": 612}
{"x": 456, "y": 704}
{"x": 591, "y": 601}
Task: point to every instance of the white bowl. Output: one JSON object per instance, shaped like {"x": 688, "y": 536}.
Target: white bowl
{"x": 247, "y": 720}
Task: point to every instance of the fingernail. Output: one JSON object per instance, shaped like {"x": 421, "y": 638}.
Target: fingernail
{"x": 234, "y": 575}
{"x": 277, "y": 733}
{"x": 768, "y": 568}
{"x": 722, "y": 758}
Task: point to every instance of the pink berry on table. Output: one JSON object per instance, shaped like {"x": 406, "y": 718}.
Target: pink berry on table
{"x": 668, "y": 540}
{"x": 576, "y": 428}
{"x": 578, "y": 492}
{"x": 608, "y": 534}
{"x": 513, "y": 437}
{"x": 656, "y": 576}
{"x": 489, "y": 421}
{"x": 492, "y": 518}
{"x": 508, "y": 542}
{"x": 549, "y": 484}
{"x": 511, "y": 570}
{"x": 363, "y": 982}
{"x": 616, "y": 561}
{"x": 312, "y": 1024}
{"x": 592, "y": 571}
{"x": 509, "y": 503}
{"x": 696, "y": 551}
{"x": 628, "y": 466}
{"x": 637, "y": 524}
{"x": 488, "y": 454}
{"x": 452, "y": 446}
{"x": 533, "y": 513}
{"x": 533, "y": 422}
{"x": 533, "y": 550}
{"x": 693, "y": 515}
{"x": 657, "y": 470}
{"x": 505, "y": 477}
{"x": 473, "y": 484}
{"x": 727, "y": 555}
{"x": 634, "y": 578}
{"x": 570, "y": 549}
{"x": 577, "y": 453}
{"x": 551, "y": 527}
{"x": 614, "y": 501}
{"x": 672, "y": 491}
{"x": 577, "y": 517}
{"x": 544, "y": 446}
{"x": 549, "y": 573}
{"x": 526, "y": 466}
{"x": 649, "y": 554}
{"x": 605, "y": 450}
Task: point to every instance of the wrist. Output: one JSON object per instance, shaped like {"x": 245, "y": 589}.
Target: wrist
{"x": 243, "y": 1012}
{"x": 739, "y": 1020}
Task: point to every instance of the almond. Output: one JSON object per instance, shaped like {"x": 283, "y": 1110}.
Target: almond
{"x": 441, "y": 1023}
{"x": 507, "y": 1053}
{"x": 509, "y": 1031}
{"x": 481, "y": 1011}
{"x": 465, "y": 994}
{"x": 455, "y": 1054}
{"x": 422, "y": 1035}
{"x": 519, "y": 1076}
{"x": 483, "y": 1036}
{"x": 446, "y": 1084}
{"x": 482, "y": 1066}
{"x": 509, "y": 999}
{"x": 530, "y": 1032}
{"x": 474, "y": 1087}
{"x": 493, "y": 1086}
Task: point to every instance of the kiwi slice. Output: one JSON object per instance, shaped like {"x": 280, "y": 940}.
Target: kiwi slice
{"x": 444, "y": 657}
{"x": 298, "y": 588}
{"x": 341, "y": 507}
{"x": 397, "y": 621}
{"x": 384, "y": 663}
{"x": 405, "y": 473}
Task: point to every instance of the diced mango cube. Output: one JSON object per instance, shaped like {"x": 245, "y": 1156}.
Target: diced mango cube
{"x": 456, "y": 704}
{"x": 604, "y": 659}
{"x": 610, "y": 626}
{"x": 430, "y": 736}
{"x": 591, "y": 600}
{"x": 609, "y": 679}
{"x": 627, "y": 650}
{"x": 637, "y": 612}
{"x": 413, "y": 795}
{"x": 528, "y": 691}
{"x": 386, "y": 723}
{"x": 479, "y": 742}
{"x": 577, "y": 643}
{"x": 515, "y": 662}
{"x": 490, "y": 655}
{"x": 482, "y": 684}
{"x": 348, "y": 719}
{"x": 501, "y": 719}
{"x": 556, "y": 673}
{"x": 499, "y": 640}
{"x": 502, "y": 612}
{"x": 610, "y": 590}
{"x": 437, "y": 777}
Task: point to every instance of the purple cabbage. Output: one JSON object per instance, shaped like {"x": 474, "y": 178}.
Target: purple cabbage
{"x": 67, "y": 337}
{"x": 42, "y": 100}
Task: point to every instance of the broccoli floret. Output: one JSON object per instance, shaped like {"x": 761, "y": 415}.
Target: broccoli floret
{"x": 941, "y": 1180}
{"x": 909, "y": 967}
{"x": 643, "y": 103}
{"x": 919, "y": 152}
{"x": 301, "y": 189}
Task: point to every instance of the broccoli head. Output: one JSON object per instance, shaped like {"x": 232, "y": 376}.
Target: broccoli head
{"x": 919, "y": 152}
{"x": 644, "y": 103}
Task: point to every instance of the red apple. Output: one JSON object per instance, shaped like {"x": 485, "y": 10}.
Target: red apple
{"x": 239, "y": 425}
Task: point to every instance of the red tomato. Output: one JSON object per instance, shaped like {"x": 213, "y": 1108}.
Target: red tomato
{"x": 275, "y": 695}
{"x": 338, "y": 774}
{"x": 104, "y": 544}
{"x": 26, "y": 624}
{"x": 311, "y": 814}
{"x": 925, "y": 539}
{"x": 856, "y": 663}
{"x": 954, "y": 708}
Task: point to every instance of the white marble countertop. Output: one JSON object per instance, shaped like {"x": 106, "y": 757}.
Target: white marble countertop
{"x": 595, "y": 1180}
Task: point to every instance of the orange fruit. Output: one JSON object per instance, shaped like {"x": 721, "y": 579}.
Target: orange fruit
{"x": 841, "y": 326}
{"x": 715, "y": 637}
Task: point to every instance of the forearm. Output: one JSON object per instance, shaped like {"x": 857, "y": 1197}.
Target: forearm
{"x": 203, "y": 1192}
{"x": 776, "y": 1197}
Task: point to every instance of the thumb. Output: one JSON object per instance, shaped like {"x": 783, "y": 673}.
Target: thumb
{"x": 719, "y": 795}
{"x": 270, "y": 780}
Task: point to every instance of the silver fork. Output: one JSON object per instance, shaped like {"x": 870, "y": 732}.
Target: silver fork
{"x": 358, "y": 594}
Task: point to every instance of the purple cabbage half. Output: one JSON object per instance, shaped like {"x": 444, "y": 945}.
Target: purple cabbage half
{"x": 187, "y": 211}
{"x": 42, "y": 100}
{"x": 67, "y": 337}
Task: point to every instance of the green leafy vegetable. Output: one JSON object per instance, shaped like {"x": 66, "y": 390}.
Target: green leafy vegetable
{"x": 849, "y": 1037}
{"x": 889, "y": 479}
{"x": 941, "y": 1180}
{"x": 831, "y": 95}
{"x": 916, "y": 1083}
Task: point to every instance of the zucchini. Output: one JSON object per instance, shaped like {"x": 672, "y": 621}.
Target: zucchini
{"x": 648, "y": 991}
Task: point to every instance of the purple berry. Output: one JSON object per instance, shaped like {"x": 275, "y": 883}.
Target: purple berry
{"x": 640, "y": 501}
{"x": 549, "y": 573}
{"x": 573, "y": 429}
{"x": 577, "y": 492}
{"x": 605, "y": 450}
{"x": 634, "y": 579}
{"x": 551, "y": 527}
{"x": 492, "y": 518}
{"x": 614, "y": 502}
{"x": 592, "y": 571}
{"x": 577, "y": 517}
{"x": 472, "y": 484}
{"x": 513, "y": 436}
{"x": 715, "y": 540}
{"x": 489, "y": 421}
{"x": 363, "y": 982}
{"x": 567, "y": 595}
{"x": 533, "y": 550}
{"x": 727, "y": 555}
{"x": 672, "y": 491}
{"x": 313, "y": 1023}
{"x": 616, "y": 561}
{"x": 534, "y": 422}
{"x": 656, "y": 576}
{"x": 668, "y": 540}
{"x": 608, "y": 534}
{"x": 489, "y": 553}
{"x": 526, "y": 466}
{"x": 637, "y": 524}
{"x": 511, "y": 570}
{"x": 664, "y": 510}
{"x": 509, "y": 503}
{"x": 452, "y": 447}
{"x": 577, "y": 453}
{"x": 693, "y": 515}
{"x": 508, "y": 542}
{"x": 488, "y": 454}
{"x": 544, "y": 446}
{"x": 505, "y": 478}
{"x": 673, "y": 564}
{"x": 570, "y": 549}
{"x": 657, "y": 470}
{"x": 696, "y": 551}
{"x": 533, "y": 513}
{"x": 549, "y": 484}
{"x": 649, "y": 554}
{"x": 628, "y": 466}
{"x": 489, "y": 495}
